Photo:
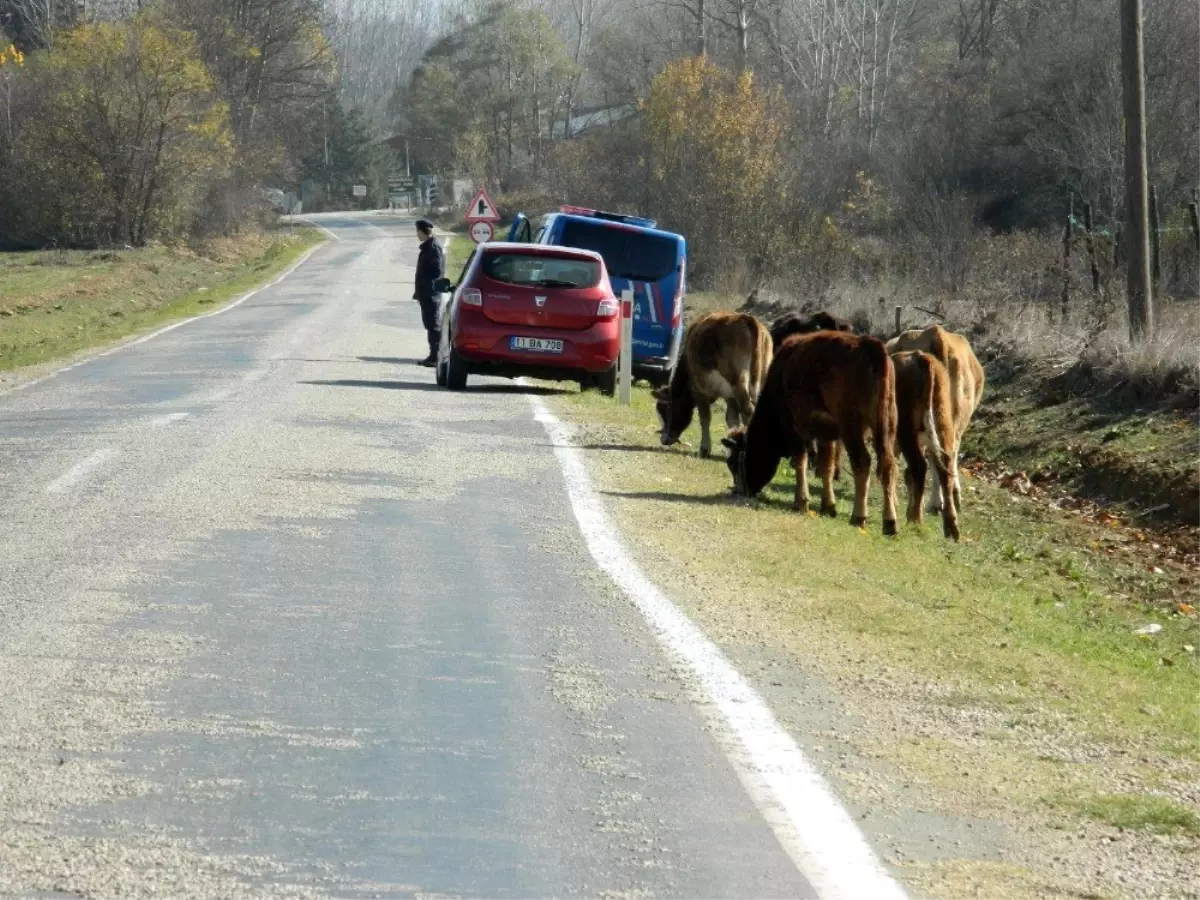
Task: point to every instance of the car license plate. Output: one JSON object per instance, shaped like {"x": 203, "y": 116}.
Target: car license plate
{"x": 538, "y": 345}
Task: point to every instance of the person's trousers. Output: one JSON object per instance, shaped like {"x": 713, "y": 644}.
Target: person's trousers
{"x": 429, "y": 318}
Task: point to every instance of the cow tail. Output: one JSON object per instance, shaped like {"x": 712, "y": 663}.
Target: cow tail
{"x": 940, "y": 457}
{"x": 885, "y": 379}
{"x": 766, "y": 353}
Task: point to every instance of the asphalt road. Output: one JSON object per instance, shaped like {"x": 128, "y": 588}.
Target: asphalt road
{"x": 279, "y": 617}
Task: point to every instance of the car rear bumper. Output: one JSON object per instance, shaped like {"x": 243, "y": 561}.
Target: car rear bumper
{"x": 485, "y": 346}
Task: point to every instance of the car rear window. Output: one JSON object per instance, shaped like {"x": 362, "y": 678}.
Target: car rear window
{"x": 535, "y": 270}
{"x": 627, "y": 254}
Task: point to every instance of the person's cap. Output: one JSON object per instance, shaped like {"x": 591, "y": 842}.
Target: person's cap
{"x": 424, "y": 225}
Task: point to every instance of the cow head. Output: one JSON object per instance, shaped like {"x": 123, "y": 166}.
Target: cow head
{"x": 664, "y": 407}
{"x": 735, "y": 443}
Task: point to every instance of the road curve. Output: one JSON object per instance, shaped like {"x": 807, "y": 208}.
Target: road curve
{"x": 279, "y": 618}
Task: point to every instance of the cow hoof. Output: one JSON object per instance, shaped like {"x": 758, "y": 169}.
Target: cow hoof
{"x": 950, "y": 530}
{"x": 889, "y": 528}
{"x": 830, "y": 511}
{"x": 860, "y": 521}
{"x": 705, "y": 452}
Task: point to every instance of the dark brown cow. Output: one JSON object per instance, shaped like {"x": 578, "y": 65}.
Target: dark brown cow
{"x": 792, "y": 323}
{"x": 786, "y": 326}
{"x": 925, "y": 431}
{"x": 726, "y": 355}
{"x": 828, "y": 386}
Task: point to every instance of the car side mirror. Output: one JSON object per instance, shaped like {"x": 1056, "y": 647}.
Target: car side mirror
{"x": 443, "y": 286}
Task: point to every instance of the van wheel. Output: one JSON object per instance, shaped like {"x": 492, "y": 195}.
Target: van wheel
{"x": 606, "y": 381}
{"x": 456, "y": 371}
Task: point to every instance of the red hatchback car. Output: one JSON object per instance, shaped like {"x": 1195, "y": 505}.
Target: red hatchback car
{"x": 528, "y": 309}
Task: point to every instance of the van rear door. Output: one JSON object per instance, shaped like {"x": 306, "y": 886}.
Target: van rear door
{"x": 521, "y": 231}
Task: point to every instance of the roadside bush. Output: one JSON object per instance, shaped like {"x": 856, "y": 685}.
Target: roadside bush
{"x": 116, "y": 135}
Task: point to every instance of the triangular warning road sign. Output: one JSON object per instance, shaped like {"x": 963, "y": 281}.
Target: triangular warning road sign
{"x": 482, "y": 209}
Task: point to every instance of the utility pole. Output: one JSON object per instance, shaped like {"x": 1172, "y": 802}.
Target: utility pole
{"x": 1139, "y": 286}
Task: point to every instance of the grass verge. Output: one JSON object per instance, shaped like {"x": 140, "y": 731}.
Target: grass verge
{"x": 54, "y": 304}
{"x": 1005, "y": 676}
{"x": 1156, "y": 814}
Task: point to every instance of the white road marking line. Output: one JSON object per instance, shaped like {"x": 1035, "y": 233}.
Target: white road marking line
{"x": 169, "y": 419}
{"x": 77, "y": 473}
{"x": 149, "y": 337}
{"x": 329, "y": 234}
{"x": 812, "y": 826}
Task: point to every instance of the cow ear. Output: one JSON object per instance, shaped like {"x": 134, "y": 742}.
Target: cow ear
{"x": 729, "y": 443}
{"x": 659, "y": 393}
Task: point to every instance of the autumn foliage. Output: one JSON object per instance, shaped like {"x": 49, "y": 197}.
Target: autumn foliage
{"x": 714, "y": 142}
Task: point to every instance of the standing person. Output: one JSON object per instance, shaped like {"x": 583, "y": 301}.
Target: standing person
{"x": 431, "y": 265}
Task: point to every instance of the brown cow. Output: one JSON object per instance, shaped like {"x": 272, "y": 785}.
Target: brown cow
{"x": 726, "y": 355}
{"x": 925, "y": 431}
{"x": 828, "y": 386}
{"x": 966, "y": 384}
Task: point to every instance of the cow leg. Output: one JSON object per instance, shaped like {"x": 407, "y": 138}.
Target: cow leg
{"x": 885, "y": 450}
{"x": 800, "y": 498}
{"x": 935, "y": 496}
{"x": 860, "y": 463}
{"x": 732, "y": 417}
{"x": 914, "y": 475}
{"x": 948, "y": 477}
{"x": 827, "y": 454}
{"x": 742, "y": 403}
{"x": 704, "y": 410}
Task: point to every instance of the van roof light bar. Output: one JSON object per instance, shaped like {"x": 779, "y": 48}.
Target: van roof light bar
{"x": 609, "y": 216}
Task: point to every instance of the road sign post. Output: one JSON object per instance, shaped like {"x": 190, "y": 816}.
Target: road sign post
{"x": 625, "y": 368}
{"x": 481, "y": 232}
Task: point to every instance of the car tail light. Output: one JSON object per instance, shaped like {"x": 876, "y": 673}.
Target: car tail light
{"x": 472, "y": 297}
{"x": 607, "y": 309}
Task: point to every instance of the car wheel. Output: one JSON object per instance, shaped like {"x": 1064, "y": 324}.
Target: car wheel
{"x": 607, "y": 381}
{"x": 456, "y": 371}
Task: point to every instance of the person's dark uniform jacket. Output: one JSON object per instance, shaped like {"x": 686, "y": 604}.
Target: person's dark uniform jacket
{"x": 431, "y": 265}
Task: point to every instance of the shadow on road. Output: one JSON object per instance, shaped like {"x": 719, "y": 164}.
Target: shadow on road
{"x": 430, "y": 386}
{"x": 670, "y": 497}
{"x": 626, "y": 448}
{"x": 391, "y": 360}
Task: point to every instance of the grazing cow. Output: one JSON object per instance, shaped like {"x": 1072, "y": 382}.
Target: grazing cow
{"x": 726, "y": 355}
{"x": 966, "y": 384}
{"x": 925, "y": 431}
{"x": 828, "y": 386}
{"x": 790, "y": 324}
{"x": 785, "y": 326}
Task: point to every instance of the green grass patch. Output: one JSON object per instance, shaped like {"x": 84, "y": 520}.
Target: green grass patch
{"x": 458, "y": 250}
{"x": 1141, "y": 812}
{"x": 1028, "y": 614}
{"x": 57, "y": 303}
